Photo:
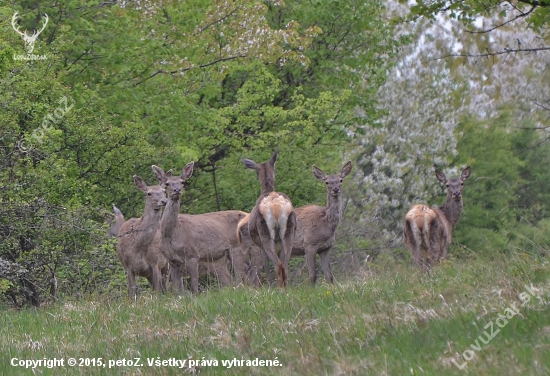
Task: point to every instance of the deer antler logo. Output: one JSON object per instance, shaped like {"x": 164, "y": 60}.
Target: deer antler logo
{"x": 29, "y": 39}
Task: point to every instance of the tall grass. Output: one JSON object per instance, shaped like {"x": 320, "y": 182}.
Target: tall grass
{"x": 396, "y": 320}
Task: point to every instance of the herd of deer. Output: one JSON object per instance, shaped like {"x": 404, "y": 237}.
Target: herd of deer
{"x": 164, "y": 245}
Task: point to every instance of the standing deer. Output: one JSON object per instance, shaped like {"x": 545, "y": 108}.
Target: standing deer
{"x": 272, "y": 222}
{"x": 317, "y": 225}
{"x": 427, "y": 232}
{"x": 136, "y": 236}
{"x": 187, "y": 241}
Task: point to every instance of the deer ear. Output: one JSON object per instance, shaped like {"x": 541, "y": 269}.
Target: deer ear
{"x": 187, "y": 171}
{"x": 116, "y": 210}
{"x": 159, "y": 173}
{"x": 318, "y": 173}
{"x": 273, "y": 158}
{"x": 169, "y": 173}
{"x": 249, "y": 163}
{"x": 346, "y": 170}
{"x": 440, "y": 176}
{"x": 140, "y": 183}
{"x": 465, "y": 173}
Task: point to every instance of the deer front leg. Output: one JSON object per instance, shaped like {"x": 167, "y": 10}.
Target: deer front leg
{"x": 175, "y": 276}
{"x": 310, "y": 260}
{"x": 164, "y": 272}
{"x": 156, "y": 278}
{"x": 131, "y": 284}
{"x": 193, "y": 271}
{"x": 325, "y": 265}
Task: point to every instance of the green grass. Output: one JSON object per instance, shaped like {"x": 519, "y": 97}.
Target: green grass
{"x": 394, "y": 321}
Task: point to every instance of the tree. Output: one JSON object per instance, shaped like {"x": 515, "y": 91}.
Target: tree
{"x": 502, "y": 14}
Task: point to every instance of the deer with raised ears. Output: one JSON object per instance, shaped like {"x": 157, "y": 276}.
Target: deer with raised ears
{"x": 272, "y": 222}
{"x": 116, "y": 222}
{"x": 30, "y": 40}
{"x": 317, "y": 225}
{"x": 428, "y": 230}
{"x": 135, "y": 238}
{"x": 189, "y": 241}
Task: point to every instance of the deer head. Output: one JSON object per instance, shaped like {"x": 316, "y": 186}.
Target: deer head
{"x": 155, "y": 195}
{"x": 333, "y": 182}
{"x": 29, "y": 39}
{"x": 174, "y": 184}
{"x": 454, "y": 185}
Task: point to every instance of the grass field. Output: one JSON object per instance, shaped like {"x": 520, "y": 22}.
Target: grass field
{"x": 395, "y": 320}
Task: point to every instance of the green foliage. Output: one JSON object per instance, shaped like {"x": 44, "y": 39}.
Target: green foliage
{"x": 490, "y": 193}
{"x": 127, "y": 86}
{"x": 467, "y": 11}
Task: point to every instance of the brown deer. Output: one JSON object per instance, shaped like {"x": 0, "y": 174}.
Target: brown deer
{"x": 317, "y": 225}
{"x": 427, "y": 232}
{"x": 188, "y": 241}
{"x": 136, "y": 236}
{"x": 248, "y": 260}
{"x": 272, "y": 222}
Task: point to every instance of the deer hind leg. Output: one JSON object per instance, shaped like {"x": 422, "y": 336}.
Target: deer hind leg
{"x": 222, "y": 271}
{"x": 435, "y": 249}
{"x": 268, "y": 245}
{"x": 287, "y": 230}
{"x": 325, "y": 265}
{"x": 412, "y": 234}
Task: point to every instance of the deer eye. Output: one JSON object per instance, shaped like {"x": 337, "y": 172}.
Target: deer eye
{"x": 326, "y": 182}
{"x": 341, "y": 180}
{"x": 148, "y": 193}
{"x": 447, "y": 185}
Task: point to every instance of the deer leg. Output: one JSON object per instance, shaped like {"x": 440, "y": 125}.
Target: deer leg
{"x": 325, "y": 265}
{"x": 157, "y": 279}
{"x": 286, "y": 235}
{"x": 164, "y": 272}
{"x": 269, "y": 249}
{"x": 412, "y": 234}
{"x": 267, "y": 269}
{"x": 175, "y": 276}
{"x": 193, "y": 271}
{"x": 434, "y": 250}
{"x": 221, "y": 272}
{"x": 254, "y": 266}
{"x": 310, "y": 260}
{"x": 131, "y": 284}
{"x": 239, "y": 256}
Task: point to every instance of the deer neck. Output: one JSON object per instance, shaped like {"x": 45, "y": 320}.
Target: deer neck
{"x": 268, "y": 186}
{"x": 334, "y": 209}
{"x": 148, "y": 226}
{"x": 170, "y": 217}
{"x": 452, "y": 210}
